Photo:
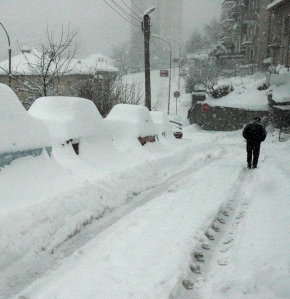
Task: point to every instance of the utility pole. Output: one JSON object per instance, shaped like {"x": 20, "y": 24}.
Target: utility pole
{"x": 147, "y": 32}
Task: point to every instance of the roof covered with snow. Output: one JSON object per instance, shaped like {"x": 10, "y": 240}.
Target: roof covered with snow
{"x": 95, "y": 62}
{"x": 67, "y": 117}
{"x": 92, "y": 64}
{"x": 18, "y": 129}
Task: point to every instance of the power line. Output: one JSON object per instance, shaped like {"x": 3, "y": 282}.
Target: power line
{"x": 125, "y": 12}
{"x": 136, "y": 6}
{"x": 131, "y": 10}
{"x": 131, "y": 22}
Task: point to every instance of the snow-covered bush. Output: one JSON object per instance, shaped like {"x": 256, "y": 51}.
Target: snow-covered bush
{"x": 220, "y": 91}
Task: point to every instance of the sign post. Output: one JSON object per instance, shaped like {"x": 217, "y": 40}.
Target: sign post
{"x": 176, "y": 95}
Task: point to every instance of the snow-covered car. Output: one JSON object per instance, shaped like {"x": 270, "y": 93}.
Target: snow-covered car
{"x": 130, "y": 124}
{"x": 162, "y": 124}
{"x": 20, "y": 133}
{"x": 68, "y": 119}
{"x": 176, "y": 127}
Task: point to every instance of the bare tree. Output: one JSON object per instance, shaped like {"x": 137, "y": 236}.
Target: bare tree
{"x": 206, "y": 72}
{"x": 44, "y": 69}
{"x": 105, "y": 91}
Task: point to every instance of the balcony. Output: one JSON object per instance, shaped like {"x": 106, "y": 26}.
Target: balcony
{"x": 236, "y": 11}
{"x": 247, "y": 40}
{"x": 236, "y": 30}
{"x": 274, "y": 41}
{"x": 249, "y": 18}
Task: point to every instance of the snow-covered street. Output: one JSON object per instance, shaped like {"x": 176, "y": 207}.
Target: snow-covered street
{"x": 153, "y": 226}
{"x": 172, "y": 219}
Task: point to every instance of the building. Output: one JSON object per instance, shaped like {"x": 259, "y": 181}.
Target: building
{"x": 27, "y": 65}
{"x": 279, "y": 32}
{"x": 245, "y": 28}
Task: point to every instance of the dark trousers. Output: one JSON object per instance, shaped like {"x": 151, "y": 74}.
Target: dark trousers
{"x": 253, "y": 151}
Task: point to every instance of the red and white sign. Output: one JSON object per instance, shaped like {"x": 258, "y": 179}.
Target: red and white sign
{"x": 176, "y": 94}
{"x": 205, "y": 107}
{"x": 164, "y": 73}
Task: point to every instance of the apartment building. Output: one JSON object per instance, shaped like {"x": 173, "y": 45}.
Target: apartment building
{"x": 246, "y": 28}
{"x": 279, "y": 32}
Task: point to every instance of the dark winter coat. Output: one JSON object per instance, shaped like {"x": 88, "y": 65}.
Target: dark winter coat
{"x": 254, "y": 132}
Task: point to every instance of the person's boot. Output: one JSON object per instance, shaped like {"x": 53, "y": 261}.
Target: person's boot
{"x": 249, "y": 165}
{"x": 254, "y": 166}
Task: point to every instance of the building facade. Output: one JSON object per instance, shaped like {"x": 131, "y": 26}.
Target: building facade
{"x": 245, "y": 28}
{"x": 279, "y": 32}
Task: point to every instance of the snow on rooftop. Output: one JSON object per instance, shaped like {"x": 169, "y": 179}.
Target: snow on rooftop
{"x": 91, "y": 64}
{"x": 18, "y": 129}
{"x": 20, "y": 63}
{"x": 67, "y": 117}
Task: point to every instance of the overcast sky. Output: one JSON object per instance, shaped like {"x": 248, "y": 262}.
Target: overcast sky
{"x": 98, "y": 26}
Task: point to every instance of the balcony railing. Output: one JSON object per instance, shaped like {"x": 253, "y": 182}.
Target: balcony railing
{"x": 247, "y": 40}
{"x": 236, "y": 11}
{"x": 274, "y": 41}
{"x": 249, "y": 18}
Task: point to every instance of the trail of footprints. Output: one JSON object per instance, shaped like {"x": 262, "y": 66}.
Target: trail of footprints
{"x": 218, "y": 237}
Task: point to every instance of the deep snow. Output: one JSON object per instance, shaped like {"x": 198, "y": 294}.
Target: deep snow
{"x": 71, "y": 228}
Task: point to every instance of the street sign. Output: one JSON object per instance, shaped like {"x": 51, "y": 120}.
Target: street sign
{"x": 176, "y": 94}
{"x": 205, "y": 107}
{"x": 164, "y": 73}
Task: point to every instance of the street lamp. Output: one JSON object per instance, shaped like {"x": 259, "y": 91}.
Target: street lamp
{"x": 9, "y": 53}
{"x": 156, "y": 36}
{"x": 179, "y": 47}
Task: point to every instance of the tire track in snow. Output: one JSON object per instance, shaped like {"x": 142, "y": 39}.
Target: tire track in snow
{"x": 46, "y": 261}
{"x": 214, "y": 242}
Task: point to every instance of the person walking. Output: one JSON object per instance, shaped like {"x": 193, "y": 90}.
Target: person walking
{"x": 255, "y": 133}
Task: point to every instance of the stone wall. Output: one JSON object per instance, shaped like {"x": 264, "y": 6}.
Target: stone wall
{"x": 223, "y": 118}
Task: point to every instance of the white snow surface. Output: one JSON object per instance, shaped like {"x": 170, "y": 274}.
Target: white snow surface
{"x": 67, "y": 117}
{"x": 18, "y": 130}
{"x": 73, "y": 227}
{"x": 24, "y": 62}
{"x": 129, "y": 122}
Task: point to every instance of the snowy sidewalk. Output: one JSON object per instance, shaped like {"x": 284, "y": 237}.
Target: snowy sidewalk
{"x": 144, "y": 254}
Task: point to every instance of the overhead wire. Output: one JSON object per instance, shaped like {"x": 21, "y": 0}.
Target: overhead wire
{"x": 136, "y": 6}
{"x": 126, "y": 13}
{"x": 131, "y": 10}
{"x": 121, "y": 15}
